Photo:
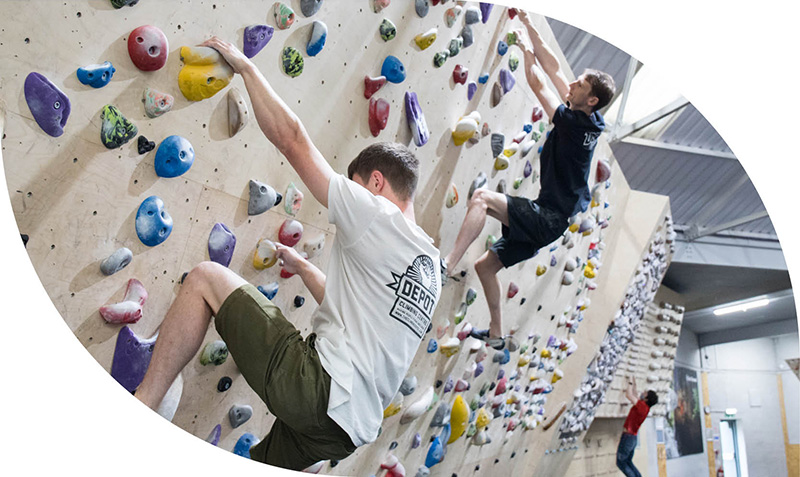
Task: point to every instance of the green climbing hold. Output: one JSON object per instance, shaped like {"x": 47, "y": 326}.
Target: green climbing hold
{"x": 440, "y": 58}
{"x": 490, "y": 240}
{"x": 471, "y": 296}
{"x": 215, "y": 352}
{"x": 116, "y": 129}
{"x": 517, "y": 182}
{"x": 387, "y": 29}
{"x": 455, "y": 46}
{"x": 513, "y": 61}
{"x": 292, "y": 62}
{"x": 511, "y": 38}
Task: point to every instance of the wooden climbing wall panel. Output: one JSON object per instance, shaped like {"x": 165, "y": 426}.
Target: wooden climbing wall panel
{"x": 77, "y": 200}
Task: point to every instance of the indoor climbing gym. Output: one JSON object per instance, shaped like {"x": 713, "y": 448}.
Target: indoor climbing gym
{"x": 379, "y": 238}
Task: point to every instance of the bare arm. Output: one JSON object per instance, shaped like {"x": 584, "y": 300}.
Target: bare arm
{"x": 279, "y": 124}
{"x": 630, "y": 392}
{"x": 312, "y": 277}
{"x": 536, "y": 81}
{"x": 546, "y": 57}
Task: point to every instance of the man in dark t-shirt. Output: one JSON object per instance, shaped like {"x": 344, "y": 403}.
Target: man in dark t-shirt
{"x": 636, "y": 416}
{"x": 566, "y": 158}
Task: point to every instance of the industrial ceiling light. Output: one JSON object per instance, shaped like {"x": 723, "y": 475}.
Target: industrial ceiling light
{"x": 742, "y": 307}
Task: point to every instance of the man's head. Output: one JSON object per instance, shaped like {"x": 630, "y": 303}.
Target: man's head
{"x": 650, "y": 397}
{"x": 386, "y": 162}
{"x": 593, "y": 90}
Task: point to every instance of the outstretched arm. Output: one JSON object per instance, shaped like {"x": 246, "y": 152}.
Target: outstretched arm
{"x": 281, "y": 126}
{"x": 546, "y": 57}
{"x": 536, "y": 80}
{"x": 312, "y": 277}
{"x": 630, "y": 392}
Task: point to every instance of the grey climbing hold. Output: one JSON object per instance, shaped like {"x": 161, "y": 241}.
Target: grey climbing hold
{"x": 262, "y": 198}
{"x": 116, "y": 261}
{"x": 455, "y": 46}
{"x": 422, "y": 7}
{"x": 466, "y": 36}
{"x": 387, "y": 29}
{"x": 238, "y": 113}
{"x": 472, "y": 15}
{"x": 441, "y": 416}
{"x": 440, "y": 58}
{"x": 310, "y": 7}
{"x": 498, "y": 143}
{"x": 409, "y": 385}
{"x": 479, "y": 183}
{"x": 501, "y": 186}
{"x": 215, "y": 352}
{"x": 497, "y": 94}
{"x": 238, "y": 415}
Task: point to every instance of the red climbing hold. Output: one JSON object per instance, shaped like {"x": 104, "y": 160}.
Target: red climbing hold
{"x": 378, "y": 115}
{"x": 513, "y": 289}
{"x": 460, "y": 74}
{"x": 290, "y": 233}
{"x": 512, "y": 12}
{"x": 372, "y": 85}
{"x": 537, "y": 114}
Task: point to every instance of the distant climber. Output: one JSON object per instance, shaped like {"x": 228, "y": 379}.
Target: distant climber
{"x": 529, "y": 225}
{"x": 636, "y": 416}
{"x": 327, "y": 391}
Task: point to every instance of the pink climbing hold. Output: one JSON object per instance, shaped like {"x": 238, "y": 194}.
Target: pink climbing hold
{"x": 129, "y": 310}
{"x": 537, "y": 114}
{"x": 460, "y": 74}
{"x": 501, "y": 386}
{"x": 290, "y": 233}
{"x": 378, "y": 115}
{"x": 372, "y": 85}
{"x": 461, "y": 385}
{"x": 513, "y": 289}
{"x": 393, "y": 466}
{"x": 603, "y": 170}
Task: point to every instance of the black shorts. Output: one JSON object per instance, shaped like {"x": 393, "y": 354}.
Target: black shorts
{"x": 530, "y": 227}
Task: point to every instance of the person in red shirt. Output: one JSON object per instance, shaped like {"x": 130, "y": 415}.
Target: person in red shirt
{"x": 636, "y": 416}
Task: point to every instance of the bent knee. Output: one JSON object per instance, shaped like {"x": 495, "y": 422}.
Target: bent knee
{"x": 480, "y": 198}
{"x": 202, "y": 272}
{"x": 488, "y": 263}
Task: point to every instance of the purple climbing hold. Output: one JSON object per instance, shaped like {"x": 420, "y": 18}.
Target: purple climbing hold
{"x": 486, "y": 9}
{"x": 256, "y": 38}
{"x": 131, "y": 358}
{"x": 416, "y": 441}
{"x": 500, "y": 374}
{"x": 478, "y": 369}
{"x": 472, "y": 87}
{"x": 213, "y": 437}
{"x": 448, "y": 385}
{"x": 553, "y": 261}
{"x": 528, "y": 169}
{"x": 416, "y": 120}
{"x": 48, "y": 104}
{"x": 507, "y": 80}
{"x": 221, "y": 243}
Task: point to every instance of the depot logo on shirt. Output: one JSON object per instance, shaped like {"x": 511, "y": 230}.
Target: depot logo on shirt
{"x": 417, "y": 293}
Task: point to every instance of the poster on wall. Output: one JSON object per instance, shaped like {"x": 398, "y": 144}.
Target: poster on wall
{"x": 684, "y": 433}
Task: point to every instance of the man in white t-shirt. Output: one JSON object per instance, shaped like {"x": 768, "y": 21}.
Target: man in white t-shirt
{"x": 328, "y": 391}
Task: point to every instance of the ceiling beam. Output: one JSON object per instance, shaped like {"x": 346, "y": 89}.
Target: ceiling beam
{"x": 637, "y": 141}
{"x": 633, "y": 67}
{"x": 629, "y": 129}
{"x": 728, "y": 251}
{"x": 696, "y": 232}
{"x": 761, "y": 330}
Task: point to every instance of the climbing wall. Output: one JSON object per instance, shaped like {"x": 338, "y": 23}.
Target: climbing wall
{"x": 597, "y": 454}
{"x": 76, "y": 200}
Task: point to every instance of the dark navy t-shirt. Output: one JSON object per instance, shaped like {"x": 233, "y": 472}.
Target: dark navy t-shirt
{"x": 566, "y": 159}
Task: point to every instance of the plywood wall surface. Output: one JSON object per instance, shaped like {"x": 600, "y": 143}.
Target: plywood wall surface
{"x": 77, "y": 200}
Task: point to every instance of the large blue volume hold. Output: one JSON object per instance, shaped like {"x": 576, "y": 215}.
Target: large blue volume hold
{"x": 393, "y": 70}
{"x": 153, "y": 223}
{"x": 175, "y": 155}
{"x": 96, "y": 76}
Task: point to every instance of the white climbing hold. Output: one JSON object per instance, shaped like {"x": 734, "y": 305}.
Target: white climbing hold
{"x": 419, "y": 407}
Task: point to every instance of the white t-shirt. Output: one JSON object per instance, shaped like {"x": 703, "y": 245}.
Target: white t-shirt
{"x": 381, "y": 290}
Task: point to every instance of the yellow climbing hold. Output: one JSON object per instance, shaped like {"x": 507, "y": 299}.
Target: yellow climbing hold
{"x": 540, "y": 270}
{"x": 426, "y": 39}
{"x": 511, "y": 150}
{"x": 395, "y": 406}
{"x": 466, "y": 127}
{"x": 574, "y": 227}
{"x": 459, "y": 419}
{"x": 557, "y": 375}
{"x": 546, "y": 353}
{"x": 523, "y": 360}
{"x": 589, "y": 272}
{"x": 265, "y": 254}
{"x": 483, "y": 419}
{"x": 450, "y": 347}
{"x": 501, "y": 162}
{"x": 205, "y": 72}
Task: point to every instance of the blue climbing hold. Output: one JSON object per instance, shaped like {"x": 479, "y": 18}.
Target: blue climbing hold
{"x": 96, "y": 76}
{"x": 175, "y": 155}
{"x": 153, "y": 223}
{"x": 244, "y": 444}
{"x": 484, "y": 78}
{"x": 502, "y": 48}
{"x": 432, "y": 346}
{"x": 393, "y": 70}
{"x": 269, "y": 290}
{"x": 505, "y": 358}
{"x": 319, "y": 33}
{"x": 540, "y": 149}
{"x": 528, "y": 127}
{"x": 435, "y": 453}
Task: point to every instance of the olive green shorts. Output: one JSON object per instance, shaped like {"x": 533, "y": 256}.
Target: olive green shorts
{"x": 285, "y": 371}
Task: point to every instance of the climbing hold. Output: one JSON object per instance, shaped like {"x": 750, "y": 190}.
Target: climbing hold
{"x": 506, "y": 80}
{"x": 460, "y": 74}
{"x": 224, "y": 384}
{"x": 511, "y": 38}
{"x": 416, "y": 120}
{"x": 466, "y": 127}
{"x": 603, "y": 170}
{"x": 459, "y": 418}
{"x": 409, "y": 385}
{"x": 148, "y": 48}
{"x": 116, "y": 129}
{"x": 243, "y": 445}
{"x": 528, "y": 170}
{"x": 501, "y": 357}
{"x": 214, "y": 352}
{"x": 478, "y": 368}
{"x": 204, "y": 73}
{"x": 485, "y": 130}
{"x": 587, "y": 225}
{"x": 175, "y": 155}
{"x": 513, "y": 289}
{"x": 269, "y": 291}
{"x": 481, "y": 438}
{"x": 432, "y": 346}
{"x": 471, "y": 296}
{"x": 292, "y": 62}
{"x": 501, "y": 163}
{"x": 484, "y": 78}
{"x": 537, "y": 114}
{"x": 387, "y": 29}
{"x": 490, "y": 240}
{"x": 517, "y": 183}
{"x": 221, "y": 243}
{"x": 421, "y": 7}
{"x": 96, "y": 76}
{"x": 314, "y": 246}
{"x": 557, "y": 375}
{"x": 441, "y": 416}
{"x": 290, "y": 233}
{"x": 501, "y": 386}
{"x": 238, "y": 415}
{"x": 393, "y": 467}
{"x": 378, "y": 115}
{"x": 372, "y": 85}
{"x": 284, "y": 15}
{"x": 214, "y": 435}
{"x": 497, "y": 94}
{"x": 511, "y": 149}
{"x": 448, "y": 385}
{"x": 472, "y": 87}
{"x": 540, "y": 270}
{"x": 116, "y": 261}
{"x": 256, "y": 38}
{"x": 452, "y": 196}
{"x": 316, "y": 41}
{"x": 502, "y": 48}
{"x": 265, "y": 254}
{"x": 472, "y": 15}
{"x": 461, "y": 313}
{"x": 424, "y": 40}
{"x": 440, "y": 58}
{"x": 463, "y": 333}
{"x": 153, "y": 223}
{"x": 156, "y": 103}
{"x": 393, "y": 70}
{"x": 513, "y": 61}
{"x": 455, "y": 45}
{"x": 238, "y": 114}
{"x": 378, "y": 5}
{"x": 450, "y": 347}
{"x": 497, "y": 142}
{"x": 393, "y": 407}
{"x": 299, "y": 301}
{"x": 479, "y": 182}
{"x": 262, "y": 198}
{"x": 131, "y": 358}
{"x": 451, "y": 15}
{"x": 129, "y": 310}
{"x": 416, "y": 441}
{"x": 310, "y": 7}
{"x": 483, "y": 419}
{"x": 467, "y": 38}
{"x": 461, "y": 385}
{"x": 294, "y": 200}
{"x": 435, "y": 454}
{"x": 48, "y": 104}
{"x": 419, "y": 407}
{"x": 122, "y": 3}
{"x": 486, "y": 9}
